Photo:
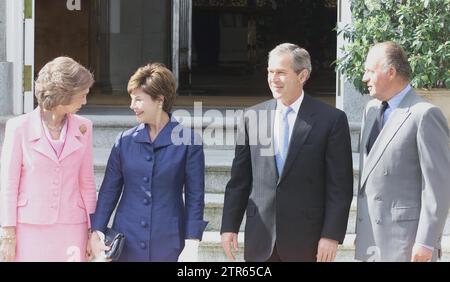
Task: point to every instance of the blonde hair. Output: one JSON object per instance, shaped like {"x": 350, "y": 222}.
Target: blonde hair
{"x": 58, "y": 80}
{"x": 155, "y": 80}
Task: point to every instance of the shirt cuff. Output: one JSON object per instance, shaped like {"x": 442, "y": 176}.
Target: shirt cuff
{"x": 425, "y": 246}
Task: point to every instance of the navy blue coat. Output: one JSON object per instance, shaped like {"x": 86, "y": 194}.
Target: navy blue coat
{"x": 149, "y": 178}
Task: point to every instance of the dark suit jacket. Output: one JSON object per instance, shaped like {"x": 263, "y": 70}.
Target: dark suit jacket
{"x": 312, "y": 197}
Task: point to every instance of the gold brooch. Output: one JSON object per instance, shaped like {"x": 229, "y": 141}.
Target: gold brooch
{"x": 83, "y": 129}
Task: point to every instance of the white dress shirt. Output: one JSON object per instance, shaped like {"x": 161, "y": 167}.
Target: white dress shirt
{"x": 292, "y": 116}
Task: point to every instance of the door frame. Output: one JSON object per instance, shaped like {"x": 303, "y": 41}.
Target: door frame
{"x": 182, "y": 41}
{"x": 28, "y": 64}
{"x": 20, "y": 52}
{"x": 15, "y": 47}
{"x": 344, "y": 17}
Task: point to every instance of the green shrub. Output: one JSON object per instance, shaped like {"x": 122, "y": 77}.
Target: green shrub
{"x": 422, "y": 27}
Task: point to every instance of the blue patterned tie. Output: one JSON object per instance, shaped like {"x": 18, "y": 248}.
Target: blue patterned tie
{"x": 284, "y": 144}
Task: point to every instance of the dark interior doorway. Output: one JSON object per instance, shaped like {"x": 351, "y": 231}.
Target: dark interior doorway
{"x": 231, "y": 40}
{"x": 110, "y": 37}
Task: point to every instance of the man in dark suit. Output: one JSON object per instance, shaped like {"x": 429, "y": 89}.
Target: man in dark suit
{"x": 296, "y": 189}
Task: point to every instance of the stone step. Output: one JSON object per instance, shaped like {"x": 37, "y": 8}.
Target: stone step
{"x": 217, "y": 129}
{"x": 210, "y": 249}
{"x": 213, "y": 212}
{"x": 218, "y": 166}
{"x": 214, "y": 207}
{"x": 217, "y": 171}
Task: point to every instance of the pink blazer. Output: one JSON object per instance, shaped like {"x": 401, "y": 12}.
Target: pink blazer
{"x": 36, "y": 186}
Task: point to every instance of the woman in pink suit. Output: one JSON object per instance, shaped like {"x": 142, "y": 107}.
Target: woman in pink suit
{"x": 47, "y": 182}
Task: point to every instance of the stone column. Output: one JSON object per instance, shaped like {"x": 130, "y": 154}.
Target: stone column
{"x": 6, "y": 102}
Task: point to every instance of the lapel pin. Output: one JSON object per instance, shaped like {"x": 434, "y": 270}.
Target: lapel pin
{"x": 83, "y": 129}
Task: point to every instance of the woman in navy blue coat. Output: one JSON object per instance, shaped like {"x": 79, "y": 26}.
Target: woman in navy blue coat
{"x": 149, "y": 172}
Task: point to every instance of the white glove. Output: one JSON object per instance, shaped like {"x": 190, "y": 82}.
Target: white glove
{"x": 190, "y": 251}
{"x": 102, "y": 256}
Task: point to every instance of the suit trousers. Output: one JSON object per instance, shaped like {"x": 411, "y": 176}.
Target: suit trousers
{"x": 274, "y": 257}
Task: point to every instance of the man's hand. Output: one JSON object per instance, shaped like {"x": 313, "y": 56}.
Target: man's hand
{"x": 326, "y": 251}
{"x": 228, "y": 239}
{"x": 421, "y": 254}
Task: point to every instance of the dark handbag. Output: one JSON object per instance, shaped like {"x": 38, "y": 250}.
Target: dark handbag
{"x": 115, "y": 240}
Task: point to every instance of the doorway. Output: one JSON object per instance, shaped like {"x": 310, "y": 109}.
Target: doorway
{"x": 231, "y": 41}
{"x": 110, "y": 37}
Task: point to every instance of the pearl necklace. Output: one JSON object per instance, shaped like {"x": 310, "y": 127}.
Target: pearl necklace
{"x": 52, "y": 127}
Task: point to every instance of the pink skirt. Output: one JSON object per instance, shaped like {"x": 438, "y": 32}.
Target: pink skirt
{"x": 48, "y": 243}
